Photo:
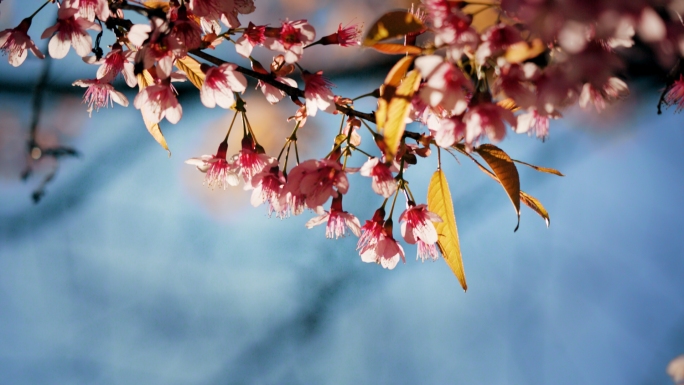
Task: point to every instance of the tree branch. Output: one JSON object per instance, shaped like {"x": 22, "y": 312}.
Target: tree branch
{"x": 292, "y": 92}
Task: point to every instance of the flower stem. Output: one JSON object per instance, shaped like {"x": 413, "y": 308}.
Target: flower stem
{"x": 39, "y": 9}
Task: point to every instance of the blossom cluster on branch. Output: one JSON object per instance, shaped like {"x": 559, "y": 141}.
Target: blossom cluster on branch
{"x": 468, "y": 73}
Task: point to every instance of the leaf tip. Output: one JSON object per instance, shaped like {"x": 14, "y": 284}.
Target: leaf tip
{"x": 548, "y": 222}
{"x": 517, "y": 226}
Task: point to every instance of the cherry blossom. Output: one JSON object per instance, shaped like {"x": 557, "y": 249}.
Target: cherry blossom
{"x": 612, "y": 90}
{"x": 220, "y": 83}
{"x": 675, "y": 95}
{"x": 114, "y": 63}
{"x": 250, "y": 160}
{"x": 69, "y": 30}
{"x": 417, "y": 227}
{"x": 448, "y": 131}
{"x": 345, "y": 36}
{"x": 268, "y": 186}
{"x": 383, "y": 183}
{"x": 445, "y": 86}
{"x": 487, "y": 119}
{"x": 187, "y": 32}
{"x": 376, "y": 244}
{"x": 533, "y": 123}
{"x": 251, "y": 37}
{"x": 100, "y": 94}
{"x": 89, "y": 9}
{"x": 318, "y": 94}
{"x": 318, "y": 180}
{"x": 290, "y": 39}
{"x": 338, "y": 221}
{"x": 217, "y": 168}
{"x": 158, "y": 101}
{"x": 16, "y": 43}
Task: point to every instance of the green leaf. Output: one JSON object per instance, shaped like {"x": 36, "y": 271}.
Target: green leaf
{"x": 505, "y": 172}
{"x": 192, "y": 70}
{"x": 439, "y": 202}
{"x": 144, "y": 80}
{"x": 535, "y": 205}
{"x": 397, "y": 112}
{"x": 393, "y": 25}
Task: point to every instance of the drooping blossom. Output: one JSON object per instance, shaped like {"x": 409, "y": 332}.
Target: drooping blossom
{"x": 158, "y": 101}
{"x": 220, "y": 83}
{"x": 452, "y": 27}
{"x": 280, "y": 69}
{"x": 675, "y": 369}
{"x": 487, "y": 119}
{"x": 217, "y": 168}
{"x": 495, "y": 40}
{"x": 268, "y": 186}
{"x": 417, "y": 227}
{"x": 69, "y": 30}
{"x": 351, "y": 128}
{"x": 318, "y": 181}
{"x": 347, "y": 36}
{"x": 290, "y": 39}
{"x": 116, "y": 62}
{"x": 251, "y": 37}
{"x": 445, "y": 84}
{"x": 250, "y": 160}
{"x": 448, "y": 131}
{"x": 337, "y": 220}
{"x": 376, "y": 243}
{"x": 612, "y": 90}
{"x": 534, "y": 123}
{"x": 89, "y": 9}
{"x": 675, "y": 95}
{"x": 318, "y": 94}
{"x": 186, "y": 31}
{"x": 383, "y": 182}
{"x": 100, "y": 94}
{"x": 15, "y": 43}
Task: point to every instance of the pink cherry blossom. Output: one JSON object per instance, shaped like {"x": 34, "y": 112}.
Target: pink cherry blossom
{"x": 345, "y": 36}
{"x": 159, "y": 101}
{"x": 216, "y": 168}
{"x": 376, "y": 244}
{"x": 383, "y": 182}
{"x": 89, "y": 9}
{"x": 100, "y": 94}
{"x": 446, "y": 86}
{"x": 487, "y": 119}
{"x": 69, "y": 30}
{"x": 114, "y": 63}
{"x": 290, "y": 39}
{"x": 337, "y": 220}
{"x": 318, "y": 180}
{"x": 250, "y": 160}
{"x": 448, "y": 131}
{"x": 318, "y": 93}
{"x": 186, "y": 31}
{"x": 495, "y": 40}
{"x": 417, "y": 227}
{"x": 611, "y": 91}
{"x": 534, "y": 123}
{"x": 268, "y": 186}
{"x": 251, "y": 37}
{"x": 15, "y": 43}
{"x": 675, "y": 95}
{"x": 274, "y": 95}
{"x": 351, "y": 128}
{"x": 220, "y": 83}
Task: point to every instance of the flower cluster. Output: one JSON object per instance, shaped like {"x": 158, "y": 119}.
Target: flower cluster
{"x": 465, "y": 85}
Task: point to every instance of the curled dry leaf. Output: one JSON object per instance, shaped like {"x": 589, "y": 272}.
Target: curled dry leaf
{"x": 505, "y": 172}
{"x": 535, "y": 205}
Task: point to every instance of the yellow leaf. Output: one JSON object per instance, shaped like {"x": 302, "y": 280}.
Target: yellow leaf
{"x": 508, "y": 104}
{"x": 397, "y": 112}
{"x": 396, "y": 49}
{"x": 505, "y": 172}
{"x": 144, "y": 80}
{"x": 439, "y": 202}
{"x": 392, "y": 25}
{"x": 388, "y": 89}
{"x": 162, "y": 5}
{"x": 547, "y": 170}
{"x": 535, "y": 205}
{"x": 192, "y": 69}
{"x": 521, "y": 51}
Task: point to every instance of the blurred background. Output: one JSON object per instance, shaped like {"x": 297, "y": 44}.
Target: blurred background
{"x": 130, "y": 271}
